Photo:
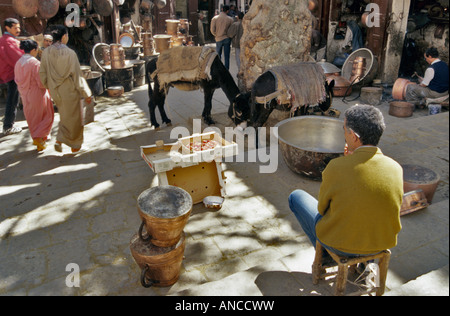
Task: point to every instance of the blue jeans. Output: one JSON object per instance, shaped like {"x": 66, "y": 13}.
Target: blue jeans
{"x": 12, "y": 102}
{"x": 304, "y": 207}
{"x": 226, "y": 45}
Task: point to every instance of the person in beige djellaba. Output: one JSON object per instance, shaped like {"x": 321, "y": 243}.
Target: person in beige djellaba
{"x": 60, "y": 72}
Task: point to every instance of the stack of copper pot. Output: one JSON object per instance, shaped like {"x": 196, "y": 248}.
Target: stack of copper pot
{"x": 149, "y": 48}
{"x": 359, "y": 69}
{"x": 158, "y": 247}
{"x": 117, "y": 55}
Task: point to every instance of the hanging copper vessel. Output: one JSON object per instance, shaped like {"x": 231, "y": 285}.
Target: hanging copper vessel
{"x": 48, "y": 8}
{"x": 26, "y": 8}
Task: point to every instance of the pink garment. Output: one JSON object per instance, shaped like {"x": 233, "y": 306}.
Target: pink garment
{"x": 9, "y": 55}
{"x": 37, "y": 104}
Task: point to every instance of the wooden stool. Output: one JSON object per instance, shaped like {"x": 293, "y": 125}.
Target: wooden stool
{"x": 319, "y": 271}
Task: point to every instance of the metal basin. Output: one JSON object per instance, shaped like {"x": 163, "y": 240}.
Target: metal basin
{"x": 308, "y": 143}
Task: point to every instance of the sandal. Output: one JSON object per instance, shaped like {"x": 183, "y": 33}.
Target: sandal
{"x": 58, "y": 146}
{"x": 40, "y": 143}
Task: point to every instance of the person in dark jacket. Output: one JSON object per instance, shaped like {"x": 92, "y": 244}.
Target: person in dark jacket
{"x": 434, "y": 84}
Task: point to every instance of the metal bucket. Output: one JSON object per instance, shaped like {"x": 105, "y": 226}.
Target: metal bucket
{"x": 120, "y": 77}
{"x": 95, "y": 82}
{"x": 308, "y": 143}
{"x": 172, "y": 26}
{"x": 159, "y": 266}
{"x": 164, "y": 211}
{"x": 162, "y": 42}
{"x": 138, "y": 72}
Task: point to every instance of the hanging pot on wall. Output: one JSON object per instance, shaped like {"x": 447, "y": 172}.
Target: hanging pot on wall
{"x": 26, "y": 8}
{"x": 103, "y": 7}
{"x": 48, "y": 8}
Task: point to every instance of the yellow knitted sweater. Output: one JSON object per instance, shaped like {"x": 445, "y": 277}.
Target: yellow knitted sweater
{"x": 360, "y": 199}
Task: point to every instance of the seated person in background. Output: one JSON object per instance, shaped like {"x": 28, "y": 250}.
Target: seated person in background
{"x": 434, "y": 84}
{"x": 318, "y": 46}
{"x": 358, "y": 210}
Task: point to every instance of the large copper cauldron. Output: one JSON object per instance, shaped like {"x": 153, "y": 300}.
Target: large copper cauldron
{"x": 164, "y": 211}
{"x": 308, "y": 143}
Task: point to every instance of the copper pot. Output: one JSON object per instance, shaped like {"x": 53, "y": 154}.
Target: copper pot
{"x": 401, "y": 108}
{"x": 164, "y": 211}
{"x": 172, "y": 27}
{"x": 162, "y": 42}
{"x": 26, "y": 8}
{"x": 399, "y": 88}
{"x": 341, "y": 85}
{"x": 115, "y": 91}
{"x": 417, "y": 177}
{"x": 176, "y": 41}
{"x": 160, "y": 266}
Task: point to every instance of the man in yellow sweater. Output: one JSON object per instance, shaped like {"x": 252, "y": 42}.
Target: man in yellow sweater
{"x": 358, "y": 210}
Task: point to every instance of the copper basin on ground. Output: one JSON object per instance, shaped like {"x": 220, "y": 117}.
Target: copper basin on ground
{"x": 308, "y": 143}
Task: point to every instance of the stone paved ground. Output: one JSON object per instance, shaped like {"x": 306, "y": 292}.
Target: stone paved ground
{"x": 58, "y": 209}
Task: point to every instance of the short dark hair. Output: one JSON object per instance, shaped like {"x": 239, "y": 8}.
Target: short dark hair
{"x": 367, "y": 121}
{"x": 226, "y": 8}
{"x": 57, "y": 31}
{"x": 9, "y": 22}
{"x": 432, "y": 52}
{"x": 28, "y": 45}
{"x": 240, "y": 15}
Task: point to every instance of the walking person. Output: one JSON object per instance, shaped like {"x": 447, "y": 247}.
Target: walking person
{"x": 10, "y": 53}
{"x": 200, "y": 30}
{"x": 60, "y": 72}
{"x": 235, "y": 33}
{"x": 219, "y": 28}
{"x": 37, "y": 104}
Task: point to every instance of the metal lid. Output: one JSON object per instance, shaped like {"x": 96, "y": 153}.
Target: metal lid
{"x": 165, "y": 201}
{"x": 328, "y": 68}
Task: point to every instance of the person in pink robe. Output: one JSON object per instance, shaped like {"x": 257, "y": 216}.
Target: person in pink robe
{"x": 37, "y": 104}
